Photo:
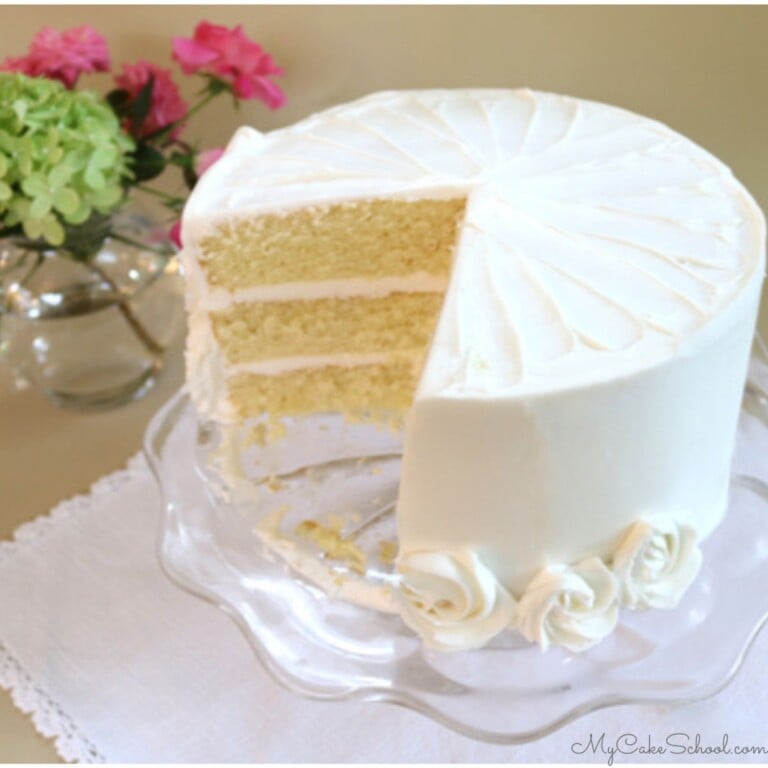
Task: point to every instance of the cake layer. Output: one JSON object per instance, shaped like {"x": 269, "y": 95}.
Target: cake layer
{"x": 374, "y": 388}
{"x": 359, "y": 325}
{"x": 374, "y": 238}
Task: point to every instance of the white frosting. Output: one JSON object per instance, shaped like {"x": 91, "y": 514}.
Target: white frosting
{"x": 286, "y": 364}
{"x": 217, "y": 300}
{"x": 592, "y": 348}
{"x": 656, "y": 563}
{"x": 573, "y": 606}
{"x": 452, "y": 600}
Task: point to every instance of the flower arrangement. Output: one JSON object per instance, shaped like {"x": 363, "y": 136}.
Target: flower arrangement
{"x": 69, "y": 158}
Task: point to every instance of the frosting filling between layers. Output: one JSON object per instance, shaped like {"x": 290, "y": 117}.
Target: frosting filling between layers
{"x": 218, "y": 300}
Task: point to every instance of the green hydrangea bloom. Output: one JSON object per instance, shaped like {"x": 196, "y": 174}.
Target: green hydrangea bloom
{"x": 63, "y": 157}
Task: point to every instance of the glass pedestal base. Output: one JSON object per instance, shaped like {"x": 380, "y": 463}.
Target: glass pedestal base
{"x": 328, "y": 644}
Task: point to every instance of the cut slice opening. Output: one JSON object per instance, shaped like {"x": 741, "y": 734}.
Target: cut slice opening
{"x": 353, "y": 353}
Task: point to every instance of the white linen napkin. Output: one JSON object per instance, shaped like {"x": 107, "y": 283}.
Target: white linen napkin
{"x": 118, "y": 664}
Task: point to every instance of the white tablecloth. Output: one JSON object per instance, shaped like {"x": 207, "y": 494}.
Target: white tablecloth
{"x": 119, "y": 665}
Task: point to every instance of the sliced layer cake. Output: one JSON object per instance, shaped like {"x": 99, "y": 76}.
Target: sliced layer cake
{"x": 560, "y": 294}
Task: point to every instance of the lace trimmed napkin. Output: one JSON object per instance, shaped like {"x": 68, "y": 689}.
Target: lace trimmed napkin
{"x": 119, "y": 665}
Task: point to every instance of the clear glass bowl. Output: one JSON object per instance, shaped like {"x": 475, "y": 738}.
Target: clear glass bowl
{"x": 91, "y": 334}
{"x": 335, "y": 647}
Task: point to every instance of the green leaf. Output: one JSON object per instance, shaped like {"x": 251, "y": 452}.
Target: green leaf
{"x": 148, "y": 162}
{"x": 53, "y": 232}
{"x": 190, "y": 177}
{"x": 7, "y": 142}
{"x": 185, "y": 161}
{"x": 34, "y": 185}
{"x": 76, "y": 159}
{"x": 80, "y": 214}
{"x": 33, "y": 228}
{"x": 108, "y": 198}
{"x": 24, "y": 163}
{"x": 120, "y": 101}
{"x": 94, "y": 178}
{"x": 40, "y": 207}
{"x": 104, "y": 157}
{"x": 59, "y": 175}
{"x": 66, "y": 201}
{"x": 5, "y": 191}
{"x": 20, "y": 109}
{"x": 142, "y": 105}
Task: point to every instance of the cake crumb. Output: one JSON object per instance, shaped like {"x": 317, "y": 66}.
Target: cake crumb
{"x": 266, "y": 433}
{"x": 333, "y": 545}
{"x": 387, "y": 552}
{"x": 275, "y": 484}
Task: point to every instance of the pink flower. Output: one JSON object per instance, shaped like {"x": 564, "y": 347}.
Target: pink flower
{"x": 167, "y": 105}
{"x": 174, "y": 234}
{"x": 206, "y": 159}
{"x": 62, "y": 56}
{"x": 230, "y": 56}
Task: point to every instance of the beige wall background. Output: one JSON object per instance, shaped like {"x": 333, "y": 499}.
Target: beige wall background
{"x": 702, "y": 70}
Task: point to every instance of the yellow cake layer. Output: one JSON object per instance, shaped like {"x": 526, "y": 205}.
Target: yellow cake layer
{"x": 369, "y": 239}
{"x": 362, "y": 389}
{"x": 358, "y": 325}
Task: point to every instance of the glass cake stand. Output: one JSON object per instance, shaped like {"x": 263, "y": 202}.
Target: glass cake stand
{"x": 300, "y": 557}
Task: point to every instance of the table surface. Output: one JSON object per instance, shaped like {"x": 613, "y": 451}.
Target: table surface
{"x": 67, "y": 452}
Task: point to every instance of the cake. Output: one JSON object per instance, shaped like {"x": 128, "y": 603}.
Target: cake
{"x": 558, "y": 297}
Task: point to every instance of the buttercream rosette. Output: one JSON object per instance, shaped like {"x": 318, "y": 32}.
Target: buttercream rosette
{"x": 656, "y": 563}
{"x": 452, "y": 600}
{"x": 573, "y": 606}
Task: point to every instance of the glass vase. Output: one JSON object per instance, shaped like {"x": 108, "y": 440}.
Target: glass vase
{"x": 91, "y": 327}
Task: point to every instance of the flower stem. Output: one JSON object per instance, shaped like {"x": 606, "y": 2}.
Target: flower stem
{"x": 39, "y": 259}
{"x": 164, "y": 132}
{"x": 130, "y": 316}
{"x": 197, "y": 107}
{"x": 136, "y": 244}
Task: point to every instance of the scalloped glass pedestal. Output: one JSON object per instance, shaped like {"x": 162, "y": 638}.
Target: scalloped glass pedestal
{"x": 332, "y": 648}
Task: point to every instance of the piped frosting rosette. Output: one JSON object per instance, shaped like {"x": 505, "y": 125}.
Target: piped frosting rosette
{"x": 454, "y": 602}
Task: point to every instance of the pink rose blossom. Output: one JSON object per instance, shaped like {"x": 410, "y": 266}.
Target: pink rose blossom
{"x": 206, "y": 159}
{"x": 167, "y": 105}
{"x": 63, "y": 55}
{"x": 174, "y": 234}
{"x": 229, "y": 55}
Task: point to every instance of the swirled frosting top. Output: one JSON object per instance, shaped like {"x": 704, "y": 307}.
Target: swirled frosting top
{"x": 595, "y": 241}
